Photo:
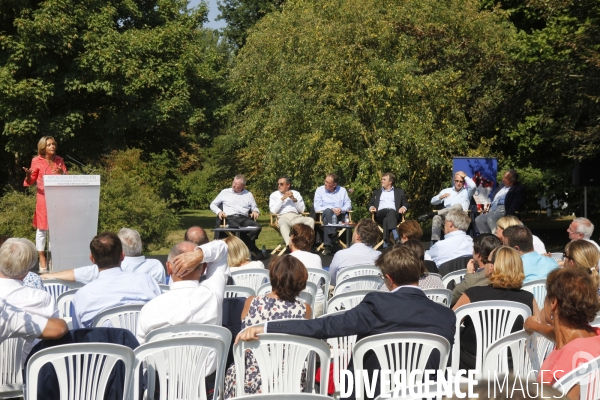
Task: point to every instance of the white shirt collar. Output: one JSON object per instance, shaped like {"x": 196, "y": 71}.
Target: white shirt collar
{"x": 406, "y": 286}
{"x": 8, "y": 282}
{"x": 184, "y": 285}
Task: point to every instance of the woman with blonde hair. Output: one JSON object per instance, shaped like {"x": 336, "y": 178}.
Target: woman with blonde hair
{"x": 238, "y": 255}
{"x": 510, "y": 220}
{"x": 583, "y": 254}
{"x": 505, "y": 273}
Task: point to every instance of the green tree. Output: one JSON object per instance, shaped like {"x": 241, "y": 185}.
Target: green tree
{"x": 242, "y": 15}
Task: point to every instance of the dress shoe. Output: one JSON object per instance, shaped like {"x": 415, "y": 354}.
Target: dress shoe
{"x": 327, "y": 251}
{"x": 425, "y": 217}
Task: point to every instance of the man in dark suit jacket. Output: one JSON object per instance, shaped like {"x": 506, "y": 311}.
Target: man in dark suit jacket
{"x": 507, "y": 199}
{"x": 405, "y": 309}
{"x": 388, "y": 202}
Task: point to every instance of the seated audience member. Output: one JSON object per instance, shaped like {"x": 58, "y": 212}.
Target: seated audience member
{"x": 409, "y": 229}
{"x": 535, "y": 265}
{"x": 238, "y": 255}
{"x": 134, "y": 261}
{"x": 456, "y": 242}
{"x": 17, "y": 257}
{"x": 571, "y": 304}
{"x": 511, "y": 220}
{"x": 483, "y": 246}
{"x": 113, "y": 287}
{"x": 196, "y": 235}
{"x": 361, "y": 252}
{"x": 17, "y": 323}
{"x": 405, "y": 309}
{"x": 505, "y": 273}
{"x": 301, "y": 240}
{"x": 583, "y": 254}
{"x": 32, "y": 279}
{"x": 288, "y": 278}
{"x": 190, "y": 301}
{"x": 426, "y": 281}
{"x": 582, "y": 229}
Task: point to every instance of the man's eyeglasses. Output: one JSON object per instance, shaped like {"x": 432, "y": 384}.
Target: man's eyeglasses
{"x": 566, "y": 256}
{"x": 382, "y": 276}
{"x": 280, "y": 183}
{"x": 458, "y": 181}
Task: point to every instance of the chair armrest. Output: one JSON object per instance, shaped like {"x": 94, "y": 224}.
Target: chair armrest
{"x": 274, "y": 220}
{"x": 318, "y": 217}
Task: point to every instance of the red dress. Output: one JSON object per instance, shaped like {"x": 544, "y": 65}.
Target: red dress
{"x": 39, "y": 168}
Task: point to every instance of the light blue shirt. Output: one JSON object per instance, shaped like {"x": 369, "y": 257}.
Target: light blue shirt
{"x": 387, "y": 199}
{"x": 336, "y": 199}
{"x": 454, "y": 245}
{"x": 140, "y": 264}
{"x": 112, "y": 288}
{"x": 537, "y": 266}
{"x": 357, "y": 254}
{"x": 462, "y": 197}
{"x": 500, "y": 197}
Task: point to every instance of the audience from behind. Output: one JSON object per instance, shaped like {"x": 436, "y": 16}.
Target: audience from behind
{"x": 405, "y": 309}
{"x": 511, "y": 220}
{"x": 571, "y": 304}
{"x": 364, "y": 237}
{"x": 134, "y": 261}
{"x": 535, "y": 265}
{"x": 426, "y": 281}
{"x": 505, "y": 272}
{"x": 456, "y": 242}
{"x": 288, "y": 278}
{"x": 238, "y": 255}
{"x": 113, "y": 287}
{"x": 189, "y": 301}
{"x": 17, "y": 323}
{"x": 196, "y": 235}
{"x": 17, "y": 257}
{"x": 582, "y": 254}
{"x": 32, "y": 279}
{"x": 409, "y": 229}
{"x": 483, "y": 246}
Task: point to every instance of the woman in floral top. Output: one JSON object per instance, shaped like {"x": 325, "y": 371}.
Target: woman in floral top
{"x": 426, "y": 281}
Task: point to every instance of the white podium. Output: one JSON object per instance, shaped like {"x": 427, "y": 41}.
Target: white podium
{"x": 73, "y": 202}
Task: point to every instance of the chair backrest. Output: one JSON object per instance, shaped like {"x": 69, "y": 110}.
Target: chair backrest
{"x": 357, "y": 270}
{"x": 346, "y": 301}
{"x": 557, "y": 256}
{"x": 596, "y": 321}
{"x": 523, "y": 353}
{"x": 11, "y": 368}
{"x": 441, "y": 296}
{"x": 56, "y": 287}
{"x": 316, "y": 275}
{"x": 492, "y": 320}
{"x": 125, "y": 317}
{"x": 63, "y": 303}
{"x": 587, "y": 376}
{"x": 281, "y": 359}
{"x": 82, "y": 369}
{"x": 456, "y": 264}
{"x": 251, "y": 277}
{"x": 538, "y": 289}
{"x": 238, "y": 291}
{"x": 181, "y": 366}
{"x": 365, "y": 282}
{"x": 163, "y": 287}
{"x": 399, "y": 351}
{"x": 455, "y": 276}
{"x": 190, "y": 330}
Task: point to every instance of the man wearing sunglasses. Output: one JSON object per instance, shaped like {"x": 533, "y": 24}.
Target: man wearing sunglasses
{"x": 456, "y": 197}
{"x": 289, "y": 206}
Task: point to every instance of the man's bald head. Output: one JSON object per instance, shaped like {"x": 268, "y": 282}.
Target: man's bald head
{"x": 196, "y": 235}
{"x": 178, "y": 249}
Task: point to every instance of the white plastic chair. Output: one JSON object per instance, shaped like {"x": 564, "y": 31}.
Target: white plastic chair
{"x": 315, "y": 275}
{"x": 368, "y": 282}
{"x": 538, "y": 289}
{"x": 11, "y": 368}
{"x": 341, "y": 352}
{"x": 456, "y": 276}
{"x": 125, "y": 317}
{"x": 56, "y": 287}
{"x": 523, "y": 352}
{"x": 587, "y": 376}
{"x": 440, "y": 296}
{"x": 399, "y": 351}
{"x": 180, "y": 363}
{"x": 596, "y": 322}
{"x": 357, "y": 270}
{"x": 163, "y": 287}
{"x": 238, "y": 291}
{"x": 281, "y": 359}
{"x": 191, "y": 330}
{"x": 492, "y": 320}
{"x": 251, "y": 277}
{"x": 63, "y": 303}
{"x": 557, "y": 256}
{"x": 346, "y": 301}
{"x": 82, "y": 369}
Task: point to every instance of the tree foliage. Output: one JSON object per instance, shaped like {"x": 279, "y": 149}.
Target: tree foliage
{"x": 242, "y": 15}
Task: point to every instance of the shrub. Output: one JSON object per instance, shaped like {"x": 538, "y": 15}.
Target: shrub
{"x": 16, "y": 214}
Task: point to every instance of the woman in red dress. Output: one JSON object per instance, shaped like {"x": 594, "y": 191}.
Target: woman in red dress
{"x": 46, "y": 163}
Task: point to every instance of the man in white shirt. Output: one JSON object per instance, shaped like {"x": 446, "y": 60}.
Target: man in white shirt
{"x": 364, "y": 237}
{"x": 113, "y": 287}
{"x": 289, "y": 206}
{"x": 581, "y": 229}
{"x": 17, "y": 257}
{"x": 196, "y": 235}
{"x": 17, "y": 323}
{"x": 457, "y": 197}
{"x": 236, "y": 204}
{"x": 134, "y": 261}
{"x": 456, "y": 242}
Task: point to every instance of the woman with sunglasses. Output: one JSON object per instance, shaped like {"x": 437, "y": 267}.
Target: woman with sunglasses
{"x": 583, "y": 254}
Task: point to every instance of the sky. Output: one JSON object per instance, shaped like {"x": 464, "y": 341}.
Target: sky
{"x": 213, "y": 12}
